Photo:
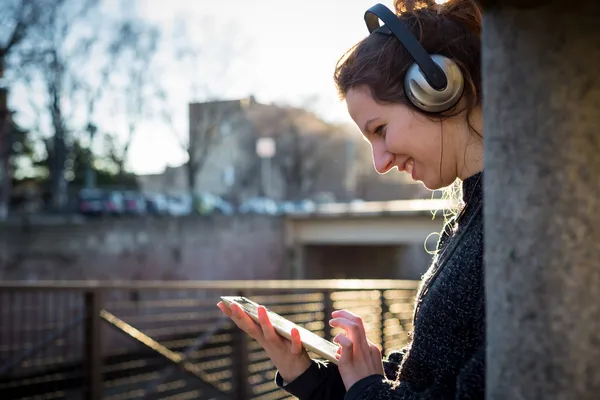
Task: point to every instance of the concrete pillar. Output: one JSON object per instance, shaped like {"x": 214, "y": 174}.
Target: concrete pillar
{"x": 542, "y": 193}
{"x": 298, "y": 262}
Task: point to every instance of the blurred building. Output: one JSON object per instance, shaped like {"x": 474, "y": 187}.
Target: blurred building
{"x": 312, "y": 158}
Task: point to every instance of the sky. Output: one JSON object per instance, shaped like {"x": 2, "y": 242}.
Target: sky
{"x": 276, "y": 50}
{"x": 292, "y": 46}
{"x": 290, "y": 49}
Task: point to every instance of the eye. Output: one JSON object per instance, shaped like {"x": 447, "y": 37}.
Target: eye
{"x": 380, "y": 130}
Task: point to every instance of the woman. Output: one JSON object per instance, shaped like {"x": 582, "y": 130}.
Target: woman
{"x": 445, "y": 358}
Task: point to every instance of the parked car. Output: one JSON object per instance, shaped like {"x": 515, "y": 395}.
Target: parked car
{"x": 307, "y": 206}
{"x": 96, "y": 202}
{"x": 134, "y": 203}
{"x": 179, "y": 205}
{"x": 287, "y": 207}
{"x": 157, "y": 204}
{"x": 208, "y": 203}
{"x": 297, "y": 207}
{"x": 259, "y": 205}
{"x": 92, "y": 202}
{"x": 114, "y": 203}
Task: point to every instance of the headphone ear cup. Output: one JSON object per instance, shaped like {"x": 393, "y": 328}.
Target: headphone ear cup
{"x": 426, "y": 98}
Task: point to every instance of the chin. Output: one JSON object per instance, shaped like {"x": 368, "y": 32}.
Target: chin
{"x": 433, "y": 186}
{"x": 430, "y": 185}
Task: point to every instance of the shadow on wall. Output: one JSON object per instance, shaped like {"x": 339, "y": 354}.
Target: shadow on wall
{"x": 366, "y": 262}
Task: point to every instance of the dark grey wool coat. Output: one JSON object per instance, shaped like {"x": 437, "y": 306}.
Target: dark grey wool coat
{"x": 446, "y": 357}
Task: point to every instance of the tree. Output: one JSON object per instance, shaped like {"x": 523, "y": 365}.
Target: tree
{"x": 305, "y": 146}
{"x": 22, "y": 158}
{"x": 53, "y": 59}
{"x": 298, "y": 161}
{"x": 206, "y": 55}
{"x": 134, "y": 54}
{"x": 5, "y": 150}
{"x": 206, "y": 124}
{"x": 16, "y": 20}
{"x": 48, "y": 60}
{"x": 105, "y": 168}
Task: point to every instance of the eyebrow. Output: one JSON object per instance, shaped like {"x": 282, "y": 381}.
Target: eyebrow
{"x": 366, "y": 127}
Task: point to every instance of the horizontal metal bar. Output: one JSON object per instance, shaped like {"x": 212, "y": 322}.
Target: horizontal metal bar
{"x": 266, "y": 285}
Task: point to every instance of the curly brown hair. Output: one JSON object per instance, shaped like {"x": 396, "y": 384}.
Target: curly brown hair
{"x": 380, "y": 62}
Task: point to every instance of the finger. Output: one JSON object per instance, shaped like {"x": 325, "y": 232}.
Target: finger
{"x": 349, "y": 315}
{"x": 343, "y": 341}
{"x": 352, "y": 330}
{"x": 357, "y": 336}
{"x": 245, "y": 323}
{"x": 345, "y": 314}
{"x": 267, "y": 327}
{"x": 296, "y": 342}
{"x": 224, "y": 308}
{"x": 346, "y": 347}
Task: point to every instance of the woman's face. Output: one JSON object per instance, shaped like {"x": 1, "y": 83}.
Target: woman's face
{"x": 404, "y": 139}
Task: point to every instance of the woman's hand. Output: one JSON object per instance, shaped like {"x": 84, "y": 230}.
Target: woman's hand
{"x": 289, "y": 356}
{"x": 358, "y": 357}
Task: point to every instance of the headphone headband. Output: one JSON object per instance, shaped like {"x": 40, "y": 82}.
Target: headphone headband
{"x": 431, "y": 71}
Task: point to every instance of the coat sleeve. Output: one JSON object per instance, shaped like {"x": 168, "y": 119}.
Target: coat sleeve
{"x": 322, "y": 380}
{"x": 470, "y": 385}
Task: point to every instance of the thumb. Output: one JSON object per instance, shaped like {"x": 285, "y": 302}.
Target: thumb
{"x": 347, "y": 346}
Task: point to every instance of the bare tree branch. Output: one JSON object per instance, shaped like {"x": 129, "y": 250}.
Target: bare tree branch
{"x": 167, "y": 117}
{"x": 205, "y": 133}
{"x": 18, "y": 32}
{"x": 206, "y": 61}
{"x": 137, "y": 47}
{"x": 303, "y": 148}
{"x": 54, "y": 55}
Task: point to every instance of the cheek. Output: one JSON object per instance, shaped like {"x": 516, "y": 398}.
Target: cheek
{"x": 433, "y": 163}
{"x": 428, "y": 158}
{"x": 397, "y": 141}
{"x": 416, "y": 139}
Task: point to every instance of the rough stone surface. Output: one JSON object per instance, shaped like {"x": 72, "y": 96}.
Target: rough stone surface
{"x": 146, "y": 249}
{"x": 542, "y": 190}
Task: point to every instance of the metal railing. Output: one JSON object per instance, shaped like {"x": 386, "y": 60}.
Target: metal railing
{"x": 150, "y": 340}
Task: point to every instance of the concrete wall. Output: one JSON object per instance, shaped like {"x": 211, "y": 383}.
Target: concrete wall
{"x": 196, "y": 248}
{"x": 152, "y": 249}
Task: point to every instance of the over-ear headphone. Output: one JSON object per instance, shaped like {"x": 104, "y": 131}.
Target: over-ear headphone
{"x": 433, "y": 83}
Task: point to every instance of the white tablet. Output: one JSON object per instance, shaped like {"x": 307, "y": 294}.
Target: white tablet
{"x": 310, "y": 340}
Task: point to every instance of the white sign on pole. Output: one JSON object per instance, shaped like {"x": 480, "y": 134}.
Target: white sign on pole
{"x": 265, "y": 147}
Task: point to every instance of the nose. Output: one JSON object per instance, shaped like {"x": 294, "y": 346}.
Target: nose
{"x": 382, "y": 160}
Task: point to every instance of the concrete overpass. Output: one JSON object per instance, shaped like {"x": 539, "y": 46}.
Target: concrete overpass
{"x": 358, "y": 239}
